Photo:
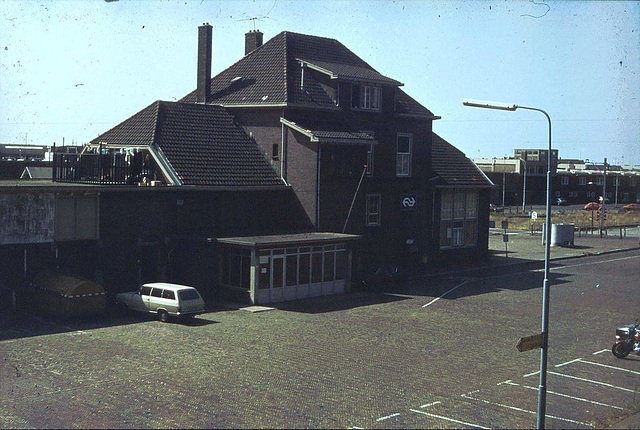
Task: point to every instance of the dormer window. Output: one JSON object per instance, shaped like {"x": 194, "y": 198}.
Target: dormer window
{"x": 365, "y": 97}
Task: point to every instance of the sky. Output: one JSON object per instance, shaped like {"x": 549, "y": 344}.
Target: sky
{"x": 74, "y": 69}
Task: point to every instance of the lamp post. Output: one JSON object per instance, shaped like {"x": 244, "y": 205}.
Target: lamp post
{"x": 524, "y": 185}
{"x": 542, "y": 389}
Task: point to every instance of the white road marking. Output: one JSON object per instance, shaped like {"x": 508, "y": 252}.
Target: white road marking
{"x": 387, "y": 417}
{"x": 566, "y": 395}
{"x": 568, "y": 362}
{"x": 531, "y": 374}
{"x": 609, "y": 367}
{"x": 591, "y": 263}
{"x": 504, "y": 382}
{"x": 448, "y": 419}
{"x": 593, "y": 382}
{"x": 525, "y": 410}
{"x": 429, "y": 404}
{"x": 438, "y": 298}
{"x": 600, "y": 352}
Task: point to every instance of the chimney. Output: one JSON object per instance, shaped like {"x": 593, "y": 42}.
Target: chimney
{"x": 204, "y": 63}
{"x": 252, "y": 40}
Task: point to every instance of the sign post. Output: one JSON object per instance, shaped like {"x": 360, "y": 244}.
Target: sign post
{"x": 529, "y": 343}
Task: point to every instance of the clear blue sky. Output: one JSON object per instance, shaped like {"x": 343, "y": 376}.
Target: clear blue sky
{"x": 77, "y": 68}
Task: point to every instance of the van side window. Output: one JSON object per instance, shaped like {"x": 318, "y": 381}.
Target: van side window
{"x": 156, "y": 292}
{"x": 145, "y": 291}
{"x": 168, "y": 294}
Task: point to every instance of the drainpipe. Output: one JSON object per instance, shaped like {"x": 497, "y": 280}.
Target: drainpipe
{"x": 318, "y": 187}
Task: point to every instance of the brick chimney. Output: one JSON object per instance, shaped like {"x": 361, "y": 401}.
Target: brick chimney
{"x": 204, "y": 63}
{"x": 252, "y": 40}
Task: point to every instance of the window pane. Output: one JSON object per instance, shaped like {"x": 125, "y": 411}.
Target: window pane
{"x": 341, "y": 265}
{"x": 304, "y": 269}
{"x": 156, "y": 292}
{"x": 316, "y": 268}
{"x": 458, "y": 205}
{"x": 470, "y": 232}
{"x": 472, "y": 204}
{"x": 245, "y": 276}
{"x": 292, "y": 270}
{"x": 264, "y": 278}
{"x": 328, "y": 266}
{"x": 234, "y": 270}
{"x": 278, "y": 272}
{"x": 445, "y": 233}
{"x": 447, "y": 205}
{"x": 145, "y": 291}
{"x": 168, "y": 294}
{"x": 355, "y": 96}
{"x": 404, "y": 144}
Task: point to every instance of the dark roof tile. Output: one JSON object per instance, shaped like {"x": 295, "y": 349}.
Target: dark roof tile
{"x": 453, "y": 167}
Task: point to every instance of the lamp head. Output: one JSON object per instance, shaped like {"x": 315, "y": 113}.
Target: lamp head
{"x": 489, "y": 105}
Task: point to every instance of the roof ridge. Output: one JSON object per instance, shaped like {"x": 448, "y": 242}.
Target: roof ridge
{"x": 156, "y": 122}
{"x": 286, "y": 67}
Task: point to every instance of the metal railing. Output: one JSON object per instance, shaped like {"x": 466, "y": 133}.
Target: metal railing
{"x": 109, "y": 168}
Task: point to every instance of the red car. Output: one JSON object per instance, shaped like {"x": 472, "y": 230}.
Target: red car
{"x": 631, "y": 207}
{"x": 592, "y": 206}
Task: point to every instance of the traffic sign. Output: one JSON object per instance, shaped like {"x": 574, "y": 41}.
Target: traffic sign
{"x": 528, "y": 343}
{"x": 534, "y": 215}
{"x": 505, "y": 238}
{"x": 505, "y": 224}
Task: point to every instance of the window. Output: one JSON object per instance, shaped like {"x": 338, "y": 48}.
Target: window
{"x": 565, "y": 180}
{"x": 168, "y": 294}
{"x": 582, "y": 181}
{"x": 156, "y": 292}
{"x": 459, "y": 223}
{"x": 373, "y": 210}
{"x": 145, "y": 291}
{"x": 403, "y": 158}
{"x": 599, "y": 180}
{"x": 236, "y": 267}
{"x": 632, "y": 182}
{"x": 370, "y": 160}
{"x": 365, "y": 97}
{"x": 188, "y": 295}
{"x": 275, "y": 152}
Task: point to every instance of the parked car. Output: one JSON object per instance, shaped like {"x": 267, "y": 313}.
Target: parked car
{"x": 592, "y": 206}
{"x": 165, "y": 300}
{"x": 631, "y": 207}
{"x": 561, "y": 201}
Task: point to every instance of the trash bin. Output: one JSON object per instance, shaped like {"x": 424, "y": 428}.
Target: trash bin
{"x": 562, "y": 234}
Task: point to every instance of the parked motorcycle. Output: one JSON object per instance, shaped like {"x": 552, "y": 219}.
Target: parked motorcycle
{"x": 627, "y": 340}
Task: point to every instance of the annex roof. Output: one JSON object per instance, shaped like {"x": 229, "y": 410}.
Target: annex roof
{"x": 271, "y": 75}
{"x": 288, "y": 239}
{"x": 453, "y": 167}
{"x": 331, "y": 132}
{"x": 202, "y": 143}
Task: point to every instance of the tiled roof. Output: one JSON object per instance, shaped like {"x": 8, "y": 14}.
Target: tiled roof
{"x": 453, "y": 167}
{"x": 203, "y": 144}
{"x": 271, "y": 74}
{"x": 405, "y": 104}
{"x": 330, "y": 131}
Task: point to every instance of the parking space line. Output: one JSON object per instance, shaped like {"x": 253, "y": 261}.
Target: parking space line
{"x": 601, "y": 351}
{"x": 449, "y": 419}
{"x": 387, "y": 417}
{"x": 568, "y": 362}
{"x": 438, "y": 298}
{"x": 593, "y": 382}
{"x": 580, "y": 399}
{"x": 525, "y": 410}
{"x": 609, "y": 367}
{"x": 430, "y": 404}
{"x": 531, "y": 374}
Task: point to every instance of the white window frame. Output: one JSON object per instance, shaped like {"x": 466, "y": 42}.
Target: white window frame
{"x": 370, "y": 159}
{"x": 565, "y": 180}
{"x": 369, "y": 98}
{"x": 582, "y": 181}
{"x": 403, "y": 156}
{"x": 373, "y": 210}
{"x": 458, "y": 217}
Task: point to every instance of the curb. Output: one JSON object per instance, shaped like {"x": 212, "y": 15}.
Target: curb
{"x": 533, "y": 263}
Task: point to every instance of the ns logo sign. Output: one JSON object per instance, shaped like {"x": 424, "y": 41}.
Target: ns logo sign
{"x": 408, "y": 202}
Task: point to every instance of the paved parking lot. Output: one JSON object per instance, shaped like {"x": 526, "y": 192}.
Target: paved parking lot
{"x": 439, "y": 353}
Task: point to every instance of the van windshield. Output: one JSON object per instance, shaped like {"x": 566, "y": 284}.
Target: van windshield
{"x": 188, "y": 294}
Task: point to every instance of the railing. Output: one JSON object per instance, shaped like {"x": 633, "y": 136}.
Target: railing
{"x": 109, "y": 168}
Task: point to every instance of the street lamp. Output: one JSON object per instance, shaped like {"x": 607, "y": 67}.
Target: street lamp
{"x": 524, "y": 185}
{"x": 542, "y": 389}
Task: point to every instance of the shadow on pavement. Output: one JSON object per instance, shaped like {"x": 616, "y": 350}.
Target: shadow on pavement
{"x": 344, "y": 302}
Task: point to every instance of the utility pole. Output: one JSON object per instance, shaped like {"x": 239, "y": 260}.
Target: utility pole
{"x": 604, "y": 197}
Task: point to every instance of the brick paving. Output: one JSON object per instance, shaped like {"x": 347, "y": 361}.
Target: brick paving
{"x": 328, "y": 362}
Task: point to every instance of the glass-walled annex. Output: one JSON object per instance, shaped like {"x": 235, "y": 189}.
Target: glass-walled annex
{"x": 281, "y": 268}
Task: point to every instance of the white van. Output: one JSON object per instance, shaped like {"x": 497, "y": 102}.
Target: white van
{"x": 164, "y": 300}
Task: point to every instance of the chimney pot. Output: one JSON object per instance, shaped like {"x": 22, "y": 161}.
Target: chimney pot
{"x": 252, "y": 41}
{"x": 204, "y": 63}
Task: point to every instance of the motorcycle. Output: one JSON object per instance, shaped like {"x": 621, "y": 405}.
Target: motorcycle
{"x": 627, "y": 340}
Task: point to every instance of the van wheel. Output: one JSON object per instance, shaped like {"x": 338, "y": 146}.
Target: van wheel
{"x": 163, "y": 316}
